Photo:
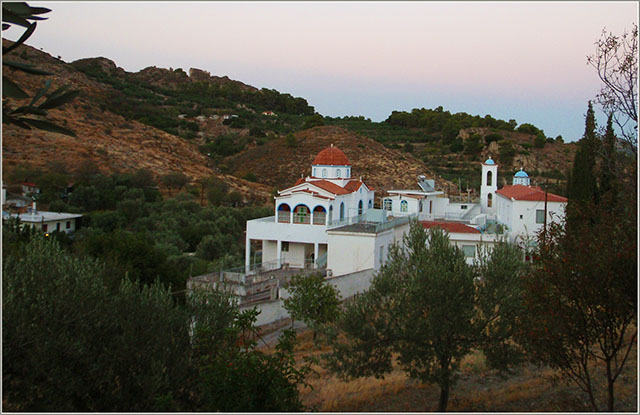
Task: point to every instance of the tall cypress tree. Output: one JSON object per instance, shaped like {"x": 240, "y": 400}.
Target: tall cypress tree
{"x": 608, "y": 164}
{"x": 583, "y": 187}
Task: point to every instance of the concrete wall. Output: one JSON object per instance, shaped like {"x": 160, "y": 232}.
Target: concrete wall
{"x": 347, "y": 286}
{"x": 269, "y": 251}
{"x": 350, "y": 252}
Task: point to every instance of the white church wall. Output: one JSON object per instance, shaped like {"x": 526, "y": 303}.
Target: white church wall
{"x": 269, "y": 251}
{"x": 350, "y": 252}
{"x": 522, "y": 217}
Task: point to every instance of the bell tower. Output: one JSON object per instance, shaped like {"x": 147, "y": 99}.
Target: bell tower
{"x": 489, "y": 186}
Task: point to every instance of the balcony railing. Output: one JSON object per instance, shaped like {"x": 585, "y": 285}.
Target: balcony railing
{"x": 319, "y": 218}
{"x": 301, "y": 218}
{"x": 284, "y": 216}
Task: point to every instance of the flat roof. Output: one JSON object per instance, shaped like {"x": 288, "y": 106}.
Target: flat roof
{"x": 43, "y": 216}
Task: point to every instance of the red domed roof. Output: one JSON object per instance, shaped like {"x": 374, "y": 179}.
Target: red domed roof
{"x": 331, "y": 156}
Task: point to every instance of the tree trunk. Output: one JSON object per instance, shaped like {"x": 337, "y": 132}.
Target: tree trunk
{"x": 444, "y": 398}
{"x": 609, "y": 387}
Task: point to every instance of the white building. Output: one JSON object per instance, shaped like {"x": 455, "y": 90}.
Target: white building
{"x": 48, "y": 221}
{"x": 328, "y": 218}
{"x": 297, "y": 234}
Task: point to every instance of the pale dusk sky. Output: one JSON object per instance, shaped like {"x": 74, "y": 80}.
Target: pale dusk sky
{"x": 520, "y": 60}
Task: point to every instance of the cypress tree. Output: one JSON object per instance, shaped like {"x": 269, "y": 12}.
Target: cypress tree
{"x": 582, "y": 188}
{"x": 608, "y": 164}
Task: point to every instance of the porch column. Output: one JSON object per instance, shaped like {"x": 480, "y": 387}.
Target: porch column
{"x": 279, "y": 252}
{"x": 315, "y": 255}
{"x": 247, "y": 258}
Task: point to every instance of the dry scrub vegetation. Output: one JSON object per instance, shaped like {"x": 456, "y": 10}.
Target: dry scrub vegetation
{"x": 479, "y": 389}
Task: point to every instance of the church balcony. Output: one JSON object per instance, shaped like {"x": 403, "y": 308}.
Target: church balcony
{"x": 269, "y": 229}
{"x": 319, "y": 218}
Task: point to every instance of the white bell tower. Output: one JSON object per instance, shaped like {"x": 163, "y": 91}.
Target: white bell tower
{"x": 489, "y": 186}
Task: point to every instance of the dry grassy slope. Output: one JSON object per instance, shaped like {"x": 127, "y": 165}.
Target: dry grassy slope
{"x": 280, "y": 166}
{"x": 114, "y": 143}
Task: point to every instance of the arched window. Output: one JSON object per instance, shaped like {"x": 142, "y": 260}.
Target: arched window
{"x": 430, "y": 206}
{"x": 489, "y": 178}
{"x": 324, "y": 172}
{"x": 319, "y": 215}
{"x": 301, "y": 214}
{"x": 341, "y": 210}
{"x": 314, "y": 172}
{"x": 338, "y": 173}
{"x": 330, "y": 214}
{"x": 284, "y": 213}
{"x": 387, "y": 204}
{"x": 360, "y": 207}
{"x": 489, "y": 199}
{"x": 404, "y": 206}
{"x": 370, "y": 203}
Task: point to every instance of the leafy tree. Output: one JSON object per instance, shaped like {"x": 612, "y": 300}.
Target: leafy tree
{"x": 29, "y": 115}
{"x": 581, "y": 299}
{"x": 490, "y": 138}
{"x": 539, "y": 141}
{"x": 174, "y": 180}
{"x": 473, "y": 144}
{"x": 71, "y": 344}
{"x": 424, "y": 310}
{"x": 313, "y": 121}
{"x": 312, "y": 300}
{"x": 290, "y": 140}
{"x": 616, "y": 61}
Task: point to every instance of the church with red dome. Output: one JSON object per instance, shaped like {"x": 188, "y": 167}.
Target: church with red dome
{"x": 328, "y": 197}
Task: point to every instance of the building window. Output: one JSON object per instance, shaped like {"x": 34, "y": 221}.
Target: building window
{"x": 45, "y": 227}
{"x": 314, "y": 172}
{"x": 420, "y": 206}
{"x": 58, "y": 226}
{"x": 370, "y": 203}
{"x": 285, "y": 247}
{"x": 360, "y": 207}
{"x": 463, "y": 207}
{"x": 469, "y": 251}
{"x": 338, "y": 173}
{"x": 348, "y": 173}
{"x": 301, "y": 215}
{"x": 387, "y": 204}
{"x": 330, "y": 214}
{"x": 430, "y": 206}
{"x": 324, "y": 172}
{"x": 342, "y": 211}
{"x": 381, "y": 254}
{"x": 404, "y": 206}
{"x": 68, "y": 224}
{"x": 319, "y": 215}
{"x": 284, "y": 213}
{"x": 489, "y": 178}
{"x": 539, "y": 216}
{"x": 489, "y": 200}
{"x": 520, "y": 216}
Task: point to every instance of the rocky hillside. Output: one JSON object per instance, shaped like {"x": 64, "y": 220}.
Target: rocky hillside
{"x": 276, "y": 163}
{"x": 204, "y": 125}
{"x": 112, "y": 141}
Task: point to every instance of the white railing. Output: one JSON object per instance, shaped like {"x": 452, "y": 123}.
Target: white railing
{"x": 284, "y": 216}
{"x": 319, "y": 218}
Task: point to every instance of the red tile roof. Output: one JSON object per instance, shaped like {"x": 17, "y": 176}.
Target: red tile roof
{"x": 331, "y": 156}
{"x": 451, "y": 227}
{"x": 529, "y": 193}
{"x": 315, "y": 194}
{"x": 353, "y": 185}
{"x": 330, "y": 187}
{"x": 299, "y": 181}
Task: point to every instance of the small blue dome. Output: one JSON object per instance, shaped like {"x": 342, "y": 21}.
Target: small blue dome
{"x": 521, "y": 173}
{"x": 489, "y": 161}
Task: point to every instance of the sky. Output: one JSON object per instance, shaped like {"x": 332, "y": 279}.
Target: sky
{"x": 514, "y": 60}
